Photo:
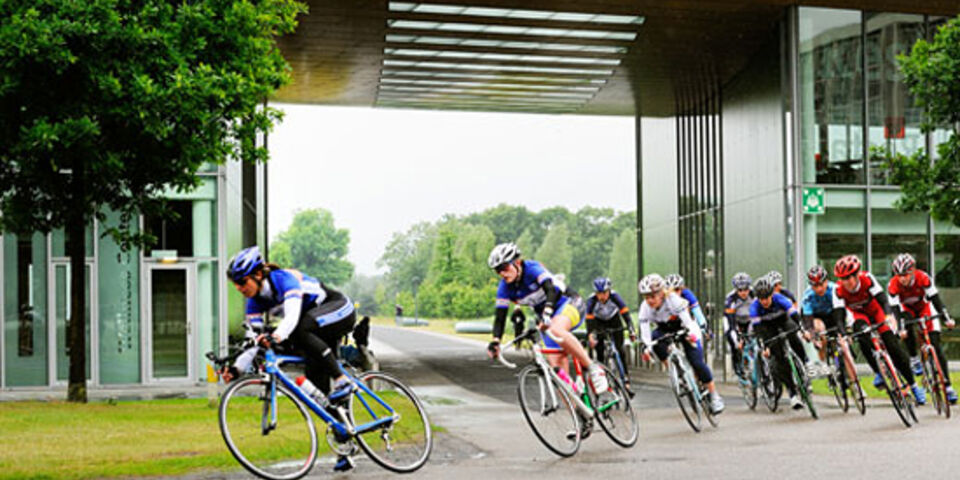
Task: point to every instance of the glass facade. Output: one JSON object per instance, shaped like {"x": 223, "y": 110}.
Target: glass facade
{"x": 25, "y": 321}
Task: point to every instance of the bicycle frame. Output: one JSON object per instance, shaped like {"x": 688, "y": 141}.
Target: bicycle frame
{"x": 272, "y": 370}
{"x": 607, "y": 339}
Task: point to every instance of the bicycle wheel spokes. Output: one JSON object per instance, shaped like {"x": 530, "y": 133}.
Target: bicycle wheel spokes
{"x": 772, "y": 390}
{"x": 285, "y": 451}
{"x": 933, "y": 379}
{"x": 853, "y": 382}
{"x": 618, "y": 419}
{"x": 894, "y": 391}
{"x": 401, "y": 444}
{"x": 803, "y": 383}
{"x": 686, "y": 395}
{"x": 551, "y": 416}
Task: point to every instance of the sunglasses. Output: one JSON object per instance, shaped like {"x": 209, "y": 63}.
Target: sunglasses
{"x": 501, "y": 268}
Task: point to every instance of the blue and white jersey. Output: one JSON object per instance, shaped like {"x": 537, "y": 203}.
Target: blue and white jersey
{"x": 691, "y": 299}
{"x": 780, "y": 307}
{"x": 605, "y": 311}
{"x": 819, "y": 306}
{"x": 287, "y": 293}
{"x": 527, "y": 290}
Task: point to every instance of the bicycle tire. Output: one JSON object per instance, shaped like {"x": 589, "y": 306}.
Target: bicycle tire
{"x": 531, "y": 387}
{"x": 625, "y": 431}
{"x": 411, "y": 449}
{"x": 772, "y": 390}
{"x": 838, "y": 386}
{"x": 853, "y": 382}
{"x": 894, "y": 390}
{"x": 264, "y": 454}
{"x": 937, "y": 384}
{"x": 684, "y": 391}
{"x": 802, "y": 381}
{"x": 705, "y": 407}
{"x": 748, "y": 386}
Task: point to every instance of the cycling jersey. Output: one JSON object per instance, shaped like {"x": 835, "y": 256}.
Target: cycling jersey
{"x": 288, "y": 293}
{"x": 736, "y": 310}
{"x": 614, "y": 309}
{"x": 868, "y": 302}
{"x": 788, "y": 294}
{"x": 671, "y": 316}
{"x": 780, "y": 307}
{"x": 527, "y": 289}
{"x": 916, "y": 298}
{"x": 695, "y": 309}
{"x": 819, "y": 306}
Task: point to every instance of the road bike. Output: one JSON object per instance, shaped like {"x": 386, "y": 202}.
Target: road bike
{"x": 842, "y": 378}
{"x": 266, "y": 423}
{"x": 693, "y": 399}
{"x": 796, "y": 367}
{"x": 894, "y": 385}
{"x": 561, "y": 414}
{"x": 934, "y": 379}
{"x": 748, "y": 378}
{"x": 612, "y": 359}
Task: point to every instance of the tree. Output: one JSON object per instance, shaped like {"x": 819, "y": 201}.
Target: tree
{"x": 106, "y": 104}
{"x": 555, "y": 253}
{"x": 623, "y": 266}
{"x": 932, "y": 74}
{"x": 525, "y": 243}
{"x": 408, "y": 257}
{"x": 315, "y": 246}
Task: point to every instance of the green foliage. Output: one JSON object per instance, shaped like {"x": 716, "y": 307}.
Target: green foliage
{"x": 623, "y": 266}
{"x": 555, "y": 253}
{"x": 367, "y": 292}
{"x": 525, "y": 242}
{"x": 407, "y": 258}
{"x": 314, "y": 246}
{"x": 932, "y": 74}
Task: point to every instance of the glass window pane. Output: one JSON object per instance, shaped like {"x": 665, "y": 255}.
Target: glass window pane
{"x": 947, "y": 270}
{"x": 170, "y": 317}
{"x": 840, "y": 231}
{"x": 894, "y": 126}
{"x": 119, "y": 310}
{"x": 831, "y": 96}
{"x": 58, "y": 247}
{"x": 62, "y": 315}
{"x": 894, "y": 232}
{"x": 25, "y": 309}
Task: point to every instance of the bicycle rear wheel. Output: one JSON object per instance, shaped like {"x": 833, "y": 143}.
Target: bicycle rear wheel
{"x": 551, "y": 416}
{"x": 618, "y": 418}
{"x": 282, "y": 450}
{"x": 933, "y": 377}
{"x": 802, "y": 381}
{"x": 683, "y": 389}
{"x": 894, "y": 391}
{"x": 402, "y": 445}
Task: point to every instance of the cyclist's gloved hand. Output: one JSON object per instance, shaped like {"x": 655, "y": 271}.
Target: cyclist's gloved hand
{"x": 228, "y": 373}
{"x": 493, "y": 349}
{"x": 692, "y": 339}
{"x": 948, "y": 321}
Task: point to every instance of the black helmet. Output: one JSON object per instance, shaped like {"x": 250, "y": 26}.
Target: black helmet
{"x": 763, "y": 288}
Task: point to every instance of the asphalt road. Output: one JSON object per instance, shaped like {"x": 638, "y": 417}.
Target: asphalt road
{"x": 486, "y": 437}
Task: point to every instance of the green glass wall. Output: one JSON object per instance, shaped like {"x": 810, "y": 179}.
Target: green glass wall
{"x": 119, "y": 309}
{"x": 25, "y": 310}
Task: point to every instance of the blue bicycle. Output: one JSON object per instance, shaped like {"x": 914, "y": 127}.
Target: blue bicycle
{"x": 266, "y": 423}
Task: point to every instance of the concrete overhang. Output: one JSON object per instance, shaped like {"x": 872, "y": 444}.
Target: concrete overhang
{"x": 606, "y": 57}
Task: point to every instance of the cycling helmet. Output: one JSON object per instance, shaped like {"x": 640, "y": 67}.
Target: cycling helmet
{"x": 674, "y": 280}
{"x": 903, "y": 264}
{"x": 651, "y": 284}
{"x": 602, "y": 284}
{"x": 503, "y": 254}
{"x": 244, "y": 263}
{"x": 816, "y": 274}
{"x": 774, "y": 277}
{"x": 741, "y": 281}
{"x": 846, "y": 266}
{"x": 763, "y": 288}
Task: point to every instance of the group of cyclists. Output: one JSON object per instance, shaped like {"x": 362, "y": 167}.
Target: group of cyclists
{"x": 315, "y": 318}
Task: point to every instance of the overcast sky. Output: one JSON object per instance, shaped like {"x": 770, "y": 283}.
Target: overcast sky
{"x": 379, "y": 171}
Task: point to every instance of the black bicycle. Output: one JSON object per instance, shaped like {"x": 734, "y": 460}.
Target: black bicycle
{"x": 796, "y": 367}
{"x": 612, "y": 359}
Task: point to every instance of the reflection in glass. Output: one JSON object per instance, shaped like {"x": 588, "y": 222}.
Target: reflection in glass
{"x": 894, "y": 232}
{"x": 169, "y": 318}
{"x": 840, "y": 231}
{"x": 894, "y": 127}
{"x": 947, "y": 270}
{"x": 831, "y": 96}
{"x": 62, "y": 305}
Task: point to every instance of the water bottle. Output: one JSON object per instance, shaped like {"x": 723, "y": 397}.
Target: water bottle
{"x": 312, "y": 390}
{"x": 566, "y": 378}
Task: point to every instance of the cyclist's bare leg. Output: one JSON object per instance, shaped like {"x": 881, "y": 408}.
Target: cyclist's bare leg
{"x": 821, "y": 343}
{"x": 559, "y": 360}
{"x": 559, "y": 330}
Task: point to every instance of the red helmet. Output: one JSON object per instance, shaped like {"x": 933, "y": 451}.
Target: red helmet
{"x": 816, "y": 274}
{"x": 846, "y": 266}
{"x": 903, "y": 264}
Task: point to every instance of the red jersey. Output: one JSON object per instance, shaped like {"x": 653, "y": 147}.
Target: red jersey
{"x": 864, "y": 298}
{"x": 915, "y": 296}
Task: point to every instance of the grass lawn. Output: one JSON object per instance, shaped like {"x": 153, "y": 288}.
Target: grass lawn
{"x": 866, "y": 382}
{"x": 46, "y": 440}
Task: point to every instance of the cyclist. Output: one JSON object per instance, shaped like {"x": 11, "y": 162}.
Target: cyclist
{"x": 776, "y": 279}
{"x": 911, "y": 292}
{"x": 736, "y": 317}
{"x": 771, "y": 314}
{"x": 675, "y": 283}
{"x": 862, "y": 294}
{"x": 819, "y": 309}
{"x": 528, "y": 283}
{"x": 607, "y": 310}
{"x": 315, "y": 318}
{"x": 669, "y": 312}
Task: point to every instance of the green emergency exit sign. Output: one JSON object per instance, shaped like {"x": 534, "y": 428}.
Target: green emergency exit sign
{"x": 813, "y": 201}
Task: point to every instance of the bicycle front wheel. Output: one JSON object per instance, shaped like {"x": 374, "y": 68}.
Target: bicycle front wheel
{"x": 771, "y": 389}
{"x": 617, "y": 418}
{"x": 276, "y": 444}
{"x": 684, "y": 390}
{"x": 802, "y": 381}
{"x": 894, "y": 390}
{"x": 933, "y": 376}
{"x": 549, "y": 411}
{"x": 748, "y": 384}
{"x": 853, "y": 382}
{"x": 401, "y": 445}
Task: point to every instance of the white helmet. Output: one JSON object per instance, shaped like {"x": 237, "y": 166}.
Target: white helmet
{"x": 503, "y": 254}
{"x": 651, "y": 283}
